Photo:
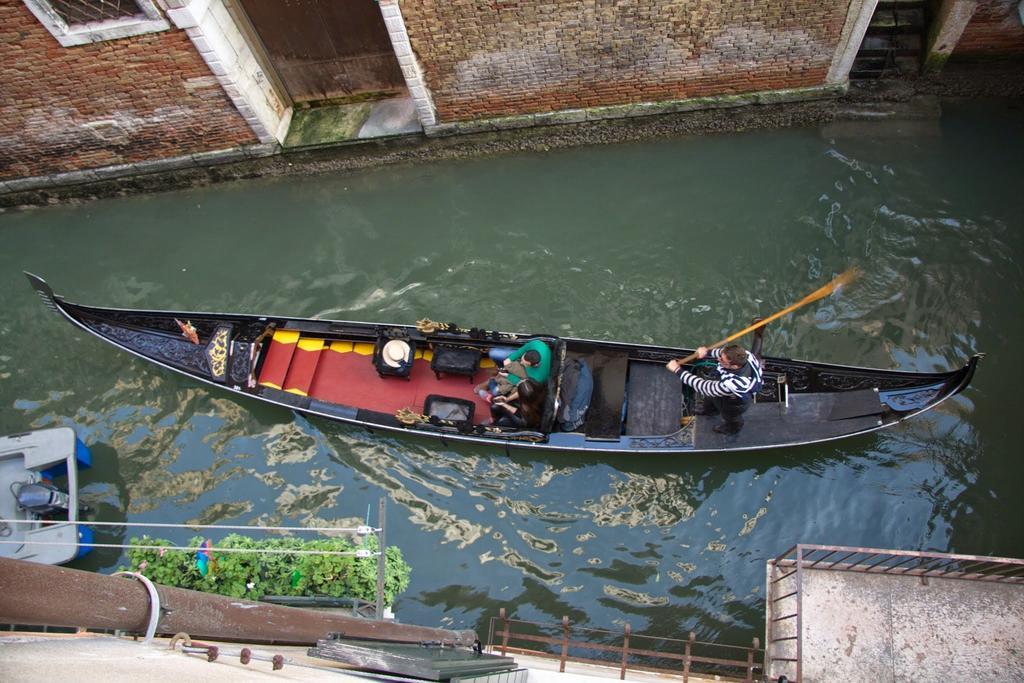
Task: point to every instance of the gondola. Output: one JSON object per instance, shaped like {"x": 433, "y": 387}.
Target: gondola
{"x": 341, "y": 371}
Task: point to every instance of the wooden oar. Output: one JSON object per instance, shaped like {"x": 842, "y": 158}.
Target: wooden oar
{"x": 843, "y": 278}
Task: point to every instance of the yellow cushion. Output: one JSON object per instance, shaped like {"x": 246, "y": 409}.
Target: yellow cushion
{"x": 363, "y": 348}
{"x": 311, "y": 344}
{"x": 286, "y": 336}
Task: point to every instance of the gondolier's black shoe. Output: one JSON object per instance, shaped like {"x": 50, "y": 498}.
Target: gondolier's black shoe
{"x": 727, "y": 428}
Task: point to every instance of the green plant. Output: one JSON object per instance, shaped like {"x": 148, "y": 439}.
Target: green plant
{"x": 255, "y": 574}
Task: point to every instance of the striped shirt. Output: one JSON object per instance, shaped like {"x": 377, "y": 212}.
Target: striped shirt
{"x": 733, "y": 383}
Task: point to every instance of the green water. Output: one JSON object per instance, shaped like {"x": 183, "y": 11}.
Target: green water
{"x": 673, "y": 242}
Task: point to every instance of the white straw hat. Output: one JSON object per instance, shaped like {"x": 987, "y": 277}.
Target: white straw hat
{"x": 395, "y": 352}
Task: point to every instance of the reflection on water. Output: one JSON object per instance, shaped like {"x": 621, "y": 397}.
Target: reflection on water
{"x": 676, "y": 241}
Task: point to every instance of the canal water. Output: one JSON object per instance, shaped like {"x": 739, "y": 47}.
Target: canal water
{"x": 672, "y": 241}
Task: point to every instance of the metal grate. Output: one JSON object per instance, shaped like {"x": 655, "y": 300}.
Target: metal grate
{"x": 786, "y": 603}
{"x": 88, "y": 11}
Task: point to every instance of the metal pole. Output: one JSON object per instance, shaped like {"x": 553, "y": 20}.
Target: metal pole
{"x": 799, "y": 613}
{"x": 382, "y": 547}
{"x": 504, "y": 630}
{"x": 565, "y": 645}
{"x": 46, "y": 595}
{"x": 625, "y": 652}
{"x": 686, "y": 657}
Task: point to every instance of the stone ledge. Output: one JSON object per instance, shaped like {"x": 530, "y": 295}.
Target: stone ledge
{"x": 622, "y": 111}
{"x": 199, "y": 160}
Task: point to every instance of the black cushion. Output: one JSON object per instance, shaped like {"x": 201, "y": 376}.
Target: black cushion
{"x": 455, "y": 360}
{"x": 385, "y": 370}
{"x": 449, "y": 408}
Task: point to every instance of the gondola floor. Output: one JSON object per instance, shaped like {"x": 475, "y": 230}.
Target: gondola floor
{"x": 350, "y": 379}
{"x": 766, "y": 423}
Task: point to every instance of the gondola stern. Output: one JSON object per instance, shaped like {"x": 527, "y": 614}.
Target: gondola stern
{"x": 967, "y": 372}
{"x": 961, "y": 379}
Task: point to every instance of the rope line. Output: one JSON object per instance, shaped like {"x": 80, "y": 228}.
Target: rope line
{"x": 164, "y": 525}
{"x": 283, "y": 551}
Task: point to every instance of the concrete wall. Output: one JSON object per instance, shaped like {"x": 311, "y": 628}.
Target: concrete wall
{"x": 109, "y": 103}
{"x": 512, "y": 57}
{"x": 995, "y": 30}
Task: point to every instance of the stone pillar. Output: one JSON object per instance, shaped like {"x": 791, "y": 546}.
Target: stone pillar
{"x": 222, "y": 46}
{"x": 411, "y": 69}
{"x": 857, "y": 20}
{"x": 945, "y": 31}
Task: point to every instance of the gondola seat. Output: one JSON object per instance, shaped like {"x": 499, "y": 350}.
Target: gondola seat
{"x": 393, "y": 357}
{"x": 454, "y": 360}
{"x": 452, "y": 409}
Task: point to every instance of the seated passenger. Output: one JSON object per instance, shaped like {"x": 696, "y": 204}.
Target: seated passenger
{"x": 536, "y": 356}
{"x": 522, "y": 409}
{"x": 503, "y": 383}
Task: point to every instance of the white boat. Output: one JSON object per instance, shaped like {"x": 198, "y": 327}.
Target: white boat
{"x": 38, "y": 520}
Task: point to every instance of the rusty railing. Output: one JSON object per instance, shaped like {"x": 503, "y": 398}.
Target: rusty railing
{"x": 621, "y": 649}
{"x": 926, "y": 565}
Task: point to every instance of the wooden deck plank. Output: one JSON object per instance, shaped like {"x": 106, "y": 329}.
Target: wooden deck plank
{"x": 604, "y": 418}
{"x": 655, "y": 400}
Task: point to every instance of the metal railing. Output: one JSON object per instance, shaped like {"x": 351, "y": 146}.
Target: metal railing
{"x": 785, "y": 604}
{"x": 620, "y": 649}
{"x": 6, "y": 526}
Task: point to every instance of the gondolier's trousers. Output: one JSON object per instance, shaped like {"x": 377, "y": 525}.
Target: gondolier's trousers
{"x": 730, "y": 408}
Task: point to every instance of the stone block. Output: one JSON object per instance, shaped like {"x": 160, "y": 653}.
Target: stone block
{"x": 115, "y": 171}
{"x": 24, "y": 184}
{"x": 512, "y": 122}
{"x": 652, "y": 108}
{"x": 402, "y": 47}
{"x": 72, "y": 178}
{"x": 168, "y": 164}
{"x": 557, "y": 118}
{"x": 221, "y": 156}
{"x": 261, "y": 150}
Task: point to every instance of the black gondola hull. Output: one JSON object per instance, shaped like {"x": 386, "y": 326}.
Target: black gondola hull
{"x": 632, "y": 410}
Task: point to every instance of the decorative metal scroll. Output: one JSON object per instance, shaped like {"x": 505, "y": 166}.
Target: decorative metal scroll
{"x": 244, "y": 328}
{"x": 178, "y": 352}
{"x": 835, "y": 381}
{"x": 769, "y": 392}
{"x": 428, "y": 326}
{"x": 912, "y": 400}
{"x": 654, "y": 356}
{"x": 240, "y": 361}
{"x": 797, "y": 376}
{"x": 217, "y": 352}
{"x": 410, "y": 418}
{"x": 683, "y": 439}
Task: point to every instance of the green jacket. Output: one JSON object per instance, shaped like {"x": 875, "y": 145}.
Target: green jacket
{"x": 538, "y": 373}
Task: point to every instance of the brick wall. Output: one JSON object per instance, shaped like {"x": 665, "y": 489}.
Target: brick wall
{"x": 995, "y": 30}
{"x": 485, "y": 58}
{"x": 116, "y": 102}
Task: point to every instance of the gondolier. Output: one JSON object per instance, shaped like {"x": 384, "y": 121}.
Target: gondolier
{"x": 729, "y": 396}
